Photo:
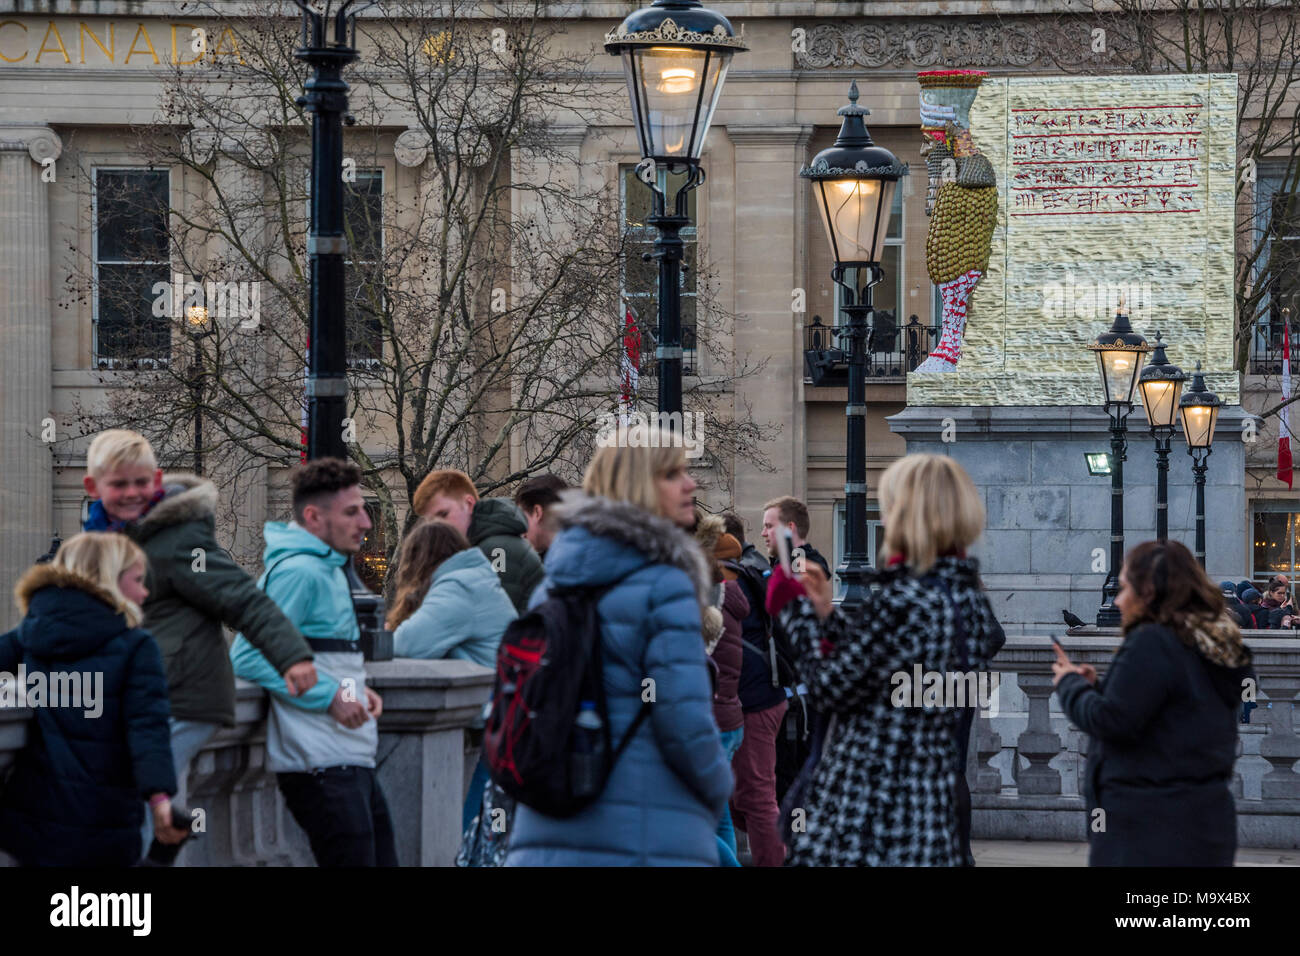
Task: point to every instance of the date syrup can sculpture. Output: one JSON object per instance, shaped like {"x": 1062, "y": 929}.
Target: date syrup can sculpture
{"x": 962, "y": 203}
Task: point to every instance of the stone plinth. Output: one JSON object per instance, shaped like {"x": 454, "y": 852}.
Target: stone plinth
{"x": 1047, "y": 538}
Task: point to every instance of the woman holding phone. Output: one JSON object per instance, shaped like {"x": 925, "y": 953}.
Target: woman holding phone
{"x": 1162, "y": 724}
{"x": 887, "y": 789}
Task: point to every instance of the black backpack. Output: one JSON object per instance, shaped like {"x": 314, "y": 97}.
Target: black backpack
{"x": 549, "y": 672}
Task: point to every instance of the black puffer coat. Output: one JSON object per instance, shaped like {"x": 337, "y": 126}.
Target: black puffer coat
{"x": 1162, "y": 729}
{"x": 75, "y": 796}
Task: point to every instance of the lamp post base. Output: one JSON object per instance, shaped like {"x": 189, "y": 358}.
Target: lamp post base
{"x": 1108, "y": 616}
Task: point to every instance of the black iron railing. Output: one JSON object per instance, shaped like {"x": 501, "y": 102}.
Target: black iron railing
{"x": 1266, "y": 349}
{"x": 895, "y": 349}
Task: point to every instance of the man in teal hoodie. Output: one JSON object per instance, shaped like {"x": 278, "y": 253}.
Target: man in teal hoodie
{"x": 322, "y": 744}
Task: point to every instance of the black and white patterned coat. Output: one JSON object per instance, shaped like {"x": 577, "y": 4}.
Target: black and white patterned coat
{"x": 883, "y": 792}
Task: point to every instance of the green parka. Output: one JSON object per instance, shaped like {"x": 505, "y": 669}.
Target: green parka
{"x": 195, "y": 586}
{"x": 496, "y": 528}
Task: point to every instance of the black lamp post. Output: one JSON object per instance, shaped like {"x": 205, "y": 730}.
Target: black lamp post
{"x": 327, "y": 385}
{"x": 1120, "y": 353}
{"x": 853, "y": 187}
{"x": 327, "y": 99}
{"x": 1200, "y": 411}
{"x": 675, "y": 56}
{"x": 1161, "y": 384}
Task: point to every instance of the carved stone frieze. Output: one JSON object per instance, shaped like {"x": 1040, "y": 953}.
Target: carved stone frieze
{"x": 908, "y": 44}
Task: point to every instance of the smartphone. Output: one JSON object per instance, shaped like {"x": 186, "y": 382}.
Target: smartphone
{"x": 784, "y": 545}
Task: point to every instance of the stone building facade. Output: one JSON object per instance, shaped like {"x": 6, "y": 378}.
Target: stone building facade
{"x": 66, "y": 74}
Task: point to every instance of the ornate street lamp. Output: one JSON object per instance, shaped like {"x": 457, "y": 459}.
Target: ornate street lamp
{"x": 1162, "y": 384}
{"x": 675, "y": 55}
{"x": 1120, "y": 353}
{"x": 327, "y": 385}
{"x": 1200, "y": 411}
{"x": 197, "y": 327}
{"x": 853, "y": 186}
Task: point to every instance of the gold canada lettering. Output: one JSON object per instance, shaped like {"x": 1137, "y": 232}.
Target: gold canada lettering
{"x": 45, "y": 43}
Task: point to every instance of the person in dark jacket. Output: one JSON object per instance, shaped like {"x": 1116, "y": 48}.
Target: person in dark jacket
{"x": 884, "y": 792}
{"x": 76, "y": 792}
{"x": 195, "y": 587}
{"x": 665, "y": 794}
{"x": 1253, "y": 602}
{"x": 535, "y": 498}
{"x": 1162, "y": 724}
{"x": 1277, "y": 604}
{"x": 495, "y": 526}
{"x": 792, "y": 513}
{"x": 726, "y": 653}
{"x": 761, "y": 689}
{"x": 1239, "y": 611}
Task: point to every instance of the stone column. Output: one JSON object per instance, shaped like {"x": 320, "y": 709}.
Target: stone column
{"x": 552, "y": 160}
{"x": 769, "y": 236}
{"x": 427, "y": 706}
{"x": 1038, "y": 744}
{"x": 26, "y": 473}
{"x": 1281, "y": 747}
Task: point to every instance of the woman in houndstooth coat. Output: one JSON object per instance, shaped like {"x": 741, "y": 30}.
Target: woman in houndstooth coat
{"x": 886, "y": 791}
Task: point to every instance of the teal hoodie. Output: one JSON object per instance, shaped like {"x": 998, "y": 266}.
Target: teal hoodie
{"x": 305, "y": 578}
{"x": 463, "y": 615}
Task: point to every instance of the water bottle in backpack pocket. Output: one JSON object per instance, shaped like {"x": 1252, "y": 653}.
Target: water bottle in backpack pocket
{"x": 587, "y": 754}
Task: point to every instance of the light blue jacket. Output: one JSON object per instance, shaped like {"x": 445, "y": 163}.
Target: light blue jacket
{"x": 463, "y": 615}
{"x": 305, "y": 577}
{"x": 663, "y": 800}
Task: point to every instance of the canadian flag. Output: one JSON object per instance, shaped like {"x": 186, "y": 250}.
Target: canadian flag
{"x": 630, "y": 365}
{"x": 1284, "y": 431}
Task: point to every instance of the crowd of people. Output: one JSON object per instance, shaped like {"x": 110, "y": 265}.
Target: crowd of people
{"x": 1273, "y": 609}
{"x": 771, "y": 712}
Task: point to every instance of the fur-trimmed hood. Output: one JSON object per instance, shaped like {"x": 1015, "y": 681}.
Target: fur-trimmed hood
{"x": 655, "y": 539}
{"x": 188, "y": 498}
{"x": 51, "y": 576}
{"x": 66, "y": 615}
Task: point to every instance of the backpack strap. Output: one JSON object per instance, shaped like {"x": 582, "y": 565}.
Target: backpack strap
{"x": 628, "y": 734}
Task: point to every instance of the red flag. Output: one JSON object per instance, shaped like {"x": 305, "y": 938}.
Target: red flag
{"x": 631, "y": 361}
{"x": 1284, "y": 468}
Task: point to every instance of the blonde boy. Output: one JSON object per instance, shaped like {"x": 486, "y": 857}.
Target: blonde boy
{"x": 194, "y": 588}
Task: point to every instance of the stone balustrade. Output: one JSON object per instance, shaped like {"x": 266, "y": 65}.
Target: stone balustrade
{"x": 1026, "y": 762}
{"x": 1025, "y": 770}
{"x": 421, "y": 761}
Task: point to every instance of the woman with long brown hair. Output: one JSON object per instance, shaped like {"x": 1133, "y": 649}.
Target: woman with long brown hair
{"x": 449, "y": 601}
{"x": 1162, "y": 724}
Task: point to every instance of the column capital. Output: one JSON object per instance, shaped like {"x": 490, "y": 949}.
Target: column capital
{"x": 41, "y": 142}
{"x": 770, "y": 135}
